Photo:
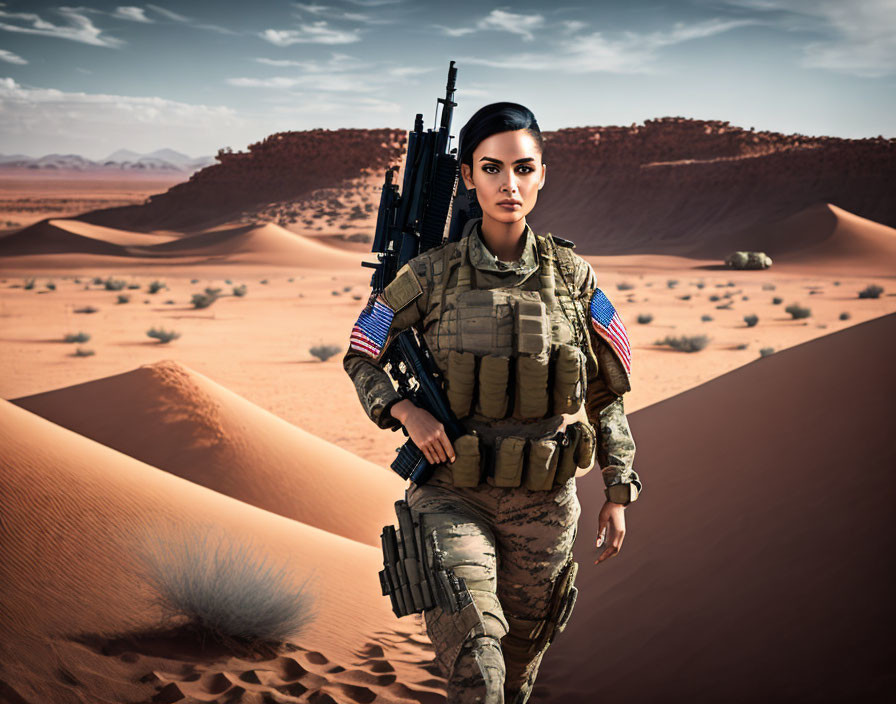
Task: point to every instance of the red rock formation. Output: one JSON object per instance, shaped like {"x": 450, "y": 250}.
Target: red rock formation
{"x": 669, "y": 186}
{"x": 283, "y": 166}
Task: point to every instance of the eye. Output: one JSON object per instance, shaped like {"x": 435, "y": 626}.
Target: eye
{"x": 525, "y": 169}
{"x": 487, "y": 168}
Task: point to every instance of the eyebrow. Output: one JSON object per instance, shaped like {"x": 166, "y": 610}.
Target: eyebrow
{"x": 498, "y": 161}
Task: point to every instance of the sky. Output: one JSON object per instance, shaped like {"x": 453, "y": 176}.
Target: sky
{"x": 200, "y": 75}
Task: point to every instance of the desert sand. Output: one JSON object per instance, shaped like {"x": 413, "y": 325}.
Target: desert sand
{"x": 237, "y": 430}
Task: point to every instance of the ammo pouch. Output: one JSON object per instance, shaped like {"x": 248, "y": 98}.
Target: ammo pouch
{"x": 407, "y": 578}
{"x": 539, "y": 464}
{"x": 528, "y": 387}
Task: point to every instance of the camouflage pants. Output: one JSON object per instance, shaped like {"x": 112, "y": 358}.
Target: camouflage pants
{"x": 510, "y": 545}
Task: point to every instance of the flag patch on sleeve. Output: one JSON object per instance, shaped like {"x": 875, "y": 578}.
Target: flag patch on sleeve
{"x": 607, "y": 322}
{"x": 370, "y": 332}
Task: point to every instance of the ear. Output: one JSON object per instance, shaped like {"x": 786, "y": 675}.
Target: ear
{"x": 467, "y": 174}
{"x": 544, "y": 171}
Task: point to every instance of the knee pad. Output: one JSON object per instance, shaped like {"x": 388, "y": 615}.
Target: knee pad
{"x": 526, "y": 638}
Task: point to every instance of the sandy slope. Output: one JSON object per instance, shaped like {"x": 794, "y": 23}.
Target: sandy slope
{"x": 75, "y": 515}
{"x": 176, "y": 419}
{"x": 759, "y": 561}
{"x": 71, "y": 240}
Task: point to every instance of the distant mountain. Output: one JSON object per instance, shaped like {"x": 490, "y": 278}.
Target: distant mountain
{"x": 162, "y": 161}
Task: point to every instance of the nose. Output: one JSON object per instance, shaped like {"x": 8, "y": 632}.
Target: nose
{"x": 510, "y": 185}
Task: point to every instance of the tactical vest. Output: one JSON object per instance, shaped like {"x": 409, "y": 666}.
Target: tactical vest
{"x": 513, "y": 363}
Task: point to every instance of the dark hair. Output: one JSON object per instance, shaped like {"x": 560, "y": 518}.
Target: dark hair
{"x": 492, "y": 119}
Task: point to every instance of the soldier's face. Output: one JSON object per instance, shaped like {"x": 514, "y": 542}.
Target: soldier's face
{"x": 506, "y": 167}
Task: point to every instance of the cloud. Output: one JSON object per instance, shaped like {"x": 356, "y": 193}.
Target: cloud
{"x": 339, "y": 14}
{"x": 314, "y": 33}
{"x": 628, "y": 53}
{"x": 499, "y": 21}
{"x": 168, "y": 14}
{"x": 174, "y": 17}
{"x": 79, "y": 28}
{"x": 859, "y": 37}
{"x": 11, "y": 58}
{"x": 135, "y": 14}
{"x": 101, "y": 122}
{"x": 336, "y": 62}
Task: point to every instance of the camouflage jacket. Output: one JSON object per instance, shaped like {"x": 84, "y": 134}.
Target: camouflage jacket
{"x": 607, "y": 381}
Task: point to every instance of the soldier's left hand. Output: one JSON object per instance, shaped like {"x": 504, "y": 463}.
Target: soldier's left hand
{"x": 611, "y": 520}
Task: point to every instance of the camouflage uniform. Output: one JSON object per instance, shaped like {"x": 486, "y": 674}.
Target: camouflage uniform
{"x": 511, "y": 544}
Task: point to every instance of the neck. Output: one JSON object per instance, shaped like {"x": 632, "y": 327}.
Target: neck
{"x": 503, "y": 239}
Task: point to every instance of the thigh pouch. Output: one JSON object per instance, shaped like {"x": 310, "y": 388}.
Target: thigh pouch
{"x": 407, "y": 578}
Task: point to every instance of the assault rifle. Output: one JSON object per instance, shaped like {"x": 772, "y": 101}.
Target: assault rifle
{"x": 407, "y": 224}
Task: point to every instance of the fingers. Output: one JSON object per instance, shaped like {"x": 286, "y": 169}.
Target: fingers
{"x": 612, "y": 549}
{"x": 447, "y": 447}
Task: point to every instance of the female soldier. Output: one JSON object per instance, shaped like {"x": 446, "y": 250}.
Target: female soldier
{"x": 534, "y": 358}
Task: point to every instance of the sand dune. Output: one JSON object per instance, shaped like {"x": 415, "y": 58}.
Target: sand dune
{"x": 176, "y": 419}
{"x": 264, "y": 244}
{"x": 52, "y": 237}
{"x": 759, "y": 563}
{"x": 827, "y": 237}
{"x": 75, "y": 595}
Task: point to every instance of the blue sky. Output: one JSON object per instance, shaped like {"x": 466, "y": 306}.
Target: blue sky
{"x": 196, "y": 75}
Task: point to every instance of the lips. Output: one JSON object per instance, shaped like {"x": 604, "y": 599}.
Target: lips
{"x": 509, "y": 202}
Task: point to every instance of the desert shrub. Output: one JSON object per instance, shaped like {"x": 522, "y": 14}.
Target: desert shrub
{"x": 706, "y": 318}
{"x": 290, "y": 279}
{"x": 263, "y": 281}
{"x": 777, "y": 300}
{"x": 715, "y": 297}
{"x": 685, "y": 343}
{"x": 346, "y": 289}
{"x": 114, "y": 284}
{"x": 768, "y": 287}
{"x": 324, "y": 352}
{"x": 741, "y": 346}
{"x": 766, "y": 351}
{"x": 335, "y": 293}
{"x": 725, "y": 306}
{"x": 239, "y": 290}
{"x": 700, "y": 284}
{"x": 644, "y": 318}
{"x": 212, "y": 291}
{"x": 672, "y": 283}
{"x": 86, "y": 309}
{"x": 731, "y": 283}
{"x": 685, "y": 297}
{"x": 156, "y": 286}
{"x": 625, "y": 286}
{"x": 123, "y": 298}
{"x": 836, "y": 283}
{"x": 357, "y": 297}
{"x": 50, "y": 285}
{"x": 797, "y": 311}
{"x": 871, "y": 291}
{"x": 203, "y": 300}
{"x": 133, "y": 286}
{"x": 226, "y": 589}
{"x": 76, "y": 337}
{"x": 29, "y": 284}
{"x": 727, "y": 294}
{"x": 169, "y": 302}
{"x": 751, "y": 320}
{"x": 77, "y": 280}
{"x": 97, "y": 280}
{"x": 845, "y": 316}
{"x": 228, "y": 282}
{"x": 84, "y": 352}
{"x": 162, "y": 335}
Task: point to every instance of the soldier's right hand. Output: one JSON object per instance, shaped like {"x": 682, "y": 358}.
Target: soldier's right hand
{"x": 425, "y": 430}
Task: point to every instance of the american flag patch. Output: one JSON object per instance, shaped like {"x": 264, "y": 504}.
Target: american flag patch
{"x": 370, "y": 332}
{"x": 607, "y": 322}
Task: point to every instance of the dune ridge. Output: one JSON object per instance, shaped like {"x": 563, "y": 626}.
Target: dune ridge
{"x": 764, "y": 537}
{"x": 172, "y": 417}
{"x": 74, "y": 515}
